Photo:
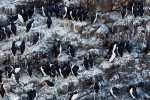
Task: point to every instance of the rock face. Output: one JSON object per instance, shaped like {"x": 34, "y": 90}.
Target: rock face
{"x": 104, "y": 5}
{"x": 87, "y": 38}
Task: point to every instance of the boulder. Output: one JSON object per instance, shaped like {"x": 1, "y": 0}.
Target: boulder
{"x": 102, "y": 31}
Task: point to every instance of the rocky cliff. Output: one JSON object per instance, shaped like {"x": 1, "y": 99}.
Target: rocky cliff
{"x": 130, "y": 69}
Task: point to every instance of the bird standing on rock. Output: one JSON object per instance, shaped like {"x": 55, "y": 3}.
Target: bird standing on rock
{"x": 62, "y": 72}
{"x": 74, "y": 70}
{"x": 31, "y": 94}
{"x": 7, "y": 31}
{"x": 91, "y": 60}
{"x": 94, "y": 17}
{"x": 120, "y": 48}
{"x": 74, "y": 95}
{"x": 133, "y": 92}
{"x": 2, "y": 35}
{"x": 141, "y": 10}
{"x": 123, "y": 11}
{"x": 68, "y": 69}
{"x": 57, "y": 49}
{"x": 24, "y": 14}
{"x": 29, "y": 25}
{"x": 128, "y": 47}
{"x": 72, "y": 50}
{"x": 49, "y": 21}
{"x": 20, "y": 18}
{"x": 49, "y": 83}
{"x": 96, "y": 87}
{"x": 29, "y": 68}
{"x": 16, "y": 68}
{"x": 86, "y": 63}
{"x": 22, "y": 47}
{"x": 114, "y": 91}
{"x": 56, "y": 10}
{"x": 2, "y": 90}
{"x": 135, "y": 10}
{"x": 14, "y": 48}
{"x": 112, "y": 51}
{"x": 43, "y": 11}
{"x": 31, "y": 11}
{"x": 63, "y": 11}
{"x": 45, "y": 69}
{"x": 13, "y": 28}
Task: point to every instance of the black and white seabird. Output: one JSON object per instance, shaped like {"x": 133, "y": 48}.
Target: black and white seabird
{"x": 72, "y": 50}
{"x": 36, "y": 38}
{"x": 85, "y": 12}
{"x": 49, "y": 83}
{"x": 128, "y": 47}
{"x": 14, "y": 48}
{"x": 16, "y": 68}
{"x": 147, "y": 48}
{"x": 112, "y": 50}
{"x": 9, "y": 70}
{"x": 140, "y": 91}
{"x": 86, "y": 63}
{"x": 96, "y": 87}
{"x": 120, "y": 48}
{"x": 73, "y": 14}
{"x": 24, "y": 14}
{"x": 114, "y": 91}
{"x": 112, "y": 46}
{"x": 31, "y": 94}
{"x": 29, "y": 25}
{"x": 2, "y": 90}
{"x": 13, "y": 18}
{"x": 74, "y": 95}
{"x": 123, "y": 11}
{"x": 49, "y": 21}
{"x": 20, "y": 18}
{"x": 2, "y": 35}
{"x": 57, "y": 49}
{"x": 31, "y": 11}
{"x": 63, "y": 11}
{"x": 141, "y": 10}
{"x": 45, "y": 69}
{"x": 74, "y": 70}
{"x": 62, "y": 72}
{"x": 94, "y": 17}
{"x": 15, "y": 76}
{"x": 7, "y": 31}
{"x": 112, "y": 57}
{"x": 69, "y": 9}
{"x": 13, "y": 28}
{"x": 82, "y": 14}
{"x": 55, "y": 68}
{"x": 12, "y": 70}
{"x": 91, "y": 60}
{"x": 29, "y": 68}
{"x": 134, "y": 9}
{"x": 43, "y": 11}
{"x": 133, "y": 92}
{"x": 22, "y": 47}
{"x": 51, "y": 9}
{"x": 68, "y": 69}
{"x": 56, "y": 10}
